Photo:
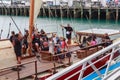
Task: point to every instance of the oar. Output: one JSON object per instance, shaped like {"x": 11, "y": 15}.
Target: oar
{"x": 9, "y": 30}
{"x": 15, "y": 24}
{"x": 1, "y": 33}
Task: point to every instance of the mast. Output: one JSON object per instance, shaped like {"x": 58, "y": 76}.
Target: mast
{"x": 31, "y": 26}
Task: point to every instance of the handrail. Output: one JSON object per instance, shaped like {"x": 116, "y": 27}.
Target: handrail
{"x": 112, "y": 73}
{"x": 89, "y": 58}
{"x": 17, "y": 65}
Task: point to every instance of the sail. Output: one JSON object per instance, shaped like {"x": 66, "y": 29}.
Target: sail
{"x": 37, "y": 6}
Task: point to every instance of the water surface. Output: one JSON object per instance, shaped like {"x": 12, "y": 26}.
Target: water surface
{"x": 53, "y": 24}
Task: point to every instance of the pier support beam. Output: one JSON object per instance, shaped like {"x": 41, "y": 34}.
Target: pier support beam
{"x": 90, "y": 13}
{"x": 2, "y": 10}
{"x": 75, "y": 13}
{"x": 107, "y": 14}
{"x": 81, "y": 12}
{"x": 16, "y": 11}
{"x": 56, "y": 12}
{"x": 24, "y": 12}
{"x": 81, "y": 8}
{"x": 6, "y": 11}
{"x": 117, "y": 14}
{"x": 68, "y": 12}
{"x": 12, "y": 11}
{"x": 98, "y": 13}
{"x": 49, "y": 12}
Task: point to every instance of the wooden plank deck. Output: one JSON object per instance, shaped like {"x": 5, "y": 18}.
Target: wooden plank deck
{"x": 29, "y": 69}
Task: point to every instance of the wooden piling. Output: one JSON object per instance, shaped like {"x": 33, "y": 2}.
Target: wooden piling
{"x": 107, "y": 14}
{"x": 90, "y": 13}
{"x": 117, "y": 14}
{"x": 99, "y": 13}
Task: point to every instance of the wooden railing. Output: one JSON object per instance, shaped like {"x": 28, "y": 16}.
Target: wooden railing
{"x": 17, "y": 68}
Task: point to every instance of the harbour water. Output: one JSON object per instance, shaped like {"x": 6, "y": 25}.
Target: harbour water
{"x": 53, "y": 24}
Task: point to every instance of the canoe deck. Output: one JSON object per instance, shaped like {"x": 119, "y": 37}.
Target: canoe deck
{"x": 29, "y": 69}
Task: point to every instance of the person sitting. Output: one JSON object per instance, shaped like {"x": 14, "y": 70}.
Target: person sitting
{"x": 93, "y": 42}
{"x": 89, "y": 40}
{"x": 107, "y": 40}
{"x": 36, "y": 43}
{"x": 43, "y": 34}
{"x": 45, "y": 45}
{"x": 84, "y": 42}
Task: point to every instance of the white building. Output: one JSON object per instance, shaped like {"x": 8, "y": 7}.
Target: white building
{"x": 60, "y": 2}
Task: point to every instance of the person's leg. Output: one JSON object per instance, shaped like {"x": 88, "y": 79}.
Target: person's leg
{"x": 69, "y": 41}
{"x": 19, "y": 60}
{"x": 37, "y": 47}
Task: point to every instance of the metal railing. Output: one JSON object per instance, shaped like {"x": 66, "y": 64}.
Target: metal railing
{"x": 107, "y": 52}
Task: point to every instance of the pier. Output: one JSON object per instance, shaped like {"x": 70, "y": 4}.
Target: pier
{"x": 108, "y": 13}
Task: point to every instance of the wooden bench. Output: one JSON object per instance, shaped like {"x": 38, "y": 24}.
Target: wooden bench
{"x": 46, "y": 55}
{"x": 91, "y": 51}
{"x": 81, "y": 54}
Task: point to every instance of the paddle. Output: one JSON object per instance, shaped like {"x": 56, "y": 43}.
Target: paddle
{"x": 1, "y": 33}
{"x": 9, "y": 30}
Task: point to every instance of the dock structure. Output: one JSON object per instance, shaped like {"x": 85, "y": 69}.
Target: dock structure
{"x": 107, "y": 13}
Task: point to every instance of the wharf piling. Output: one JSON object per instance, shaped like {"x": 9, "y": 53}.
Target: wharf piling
{"x": 68, "y": 12}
